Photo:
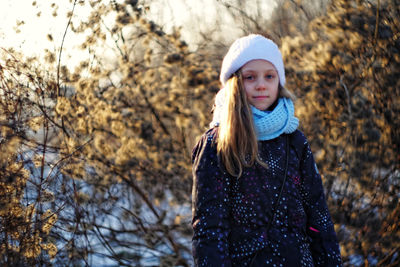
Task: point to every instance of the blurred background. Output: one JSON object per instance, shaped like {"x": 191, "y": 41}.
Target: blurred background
{"x": 101, "y": 103}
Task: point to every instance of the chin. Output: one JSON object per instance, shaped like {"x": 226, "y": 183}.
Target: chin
{"x": 262, "y": 107}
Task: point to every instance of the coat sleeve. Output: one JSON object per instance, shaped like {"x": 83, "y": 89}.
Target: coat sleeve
{"x": 323, "y": 241}
{"x": 210, "y": 202}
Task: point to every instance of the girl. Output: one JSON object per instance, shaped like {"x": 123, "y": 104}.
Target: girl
{"x": 258, "y": 198}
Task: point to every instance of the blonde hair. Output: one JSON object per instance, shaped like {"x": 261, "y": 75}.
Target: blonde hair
{"x": 237, "y": 144}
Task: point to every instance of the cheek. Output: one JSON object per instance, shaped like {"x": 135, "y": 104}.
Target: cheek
{"x": 276, "y": 87}
{"x": 276, "y": 91}
{"x": 247, "y": 89}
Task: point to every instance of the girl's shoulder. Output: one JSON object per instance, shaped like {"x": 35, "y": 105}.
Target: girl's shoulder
{"x": 206, "y": 141}
{"x": 299, "y": 141}
{"x": 298, "y": 138}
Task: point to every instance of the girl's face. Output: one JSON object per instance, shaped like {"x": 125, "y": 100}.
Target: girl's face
{"x": 261, "y": 82}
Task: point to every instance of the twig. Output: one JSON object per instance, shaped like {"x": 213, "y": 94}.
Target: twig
{"x": 242, "y": 13}
{"x": 153, "y": 111}
{"x": 348, "y": 96}
{"x": 301, "y": 7}
{"x": 350, "y": 119}
{"x": 377, "y": 21}
{"x": 61, "y": 48}
{"x": 67, "y": 156}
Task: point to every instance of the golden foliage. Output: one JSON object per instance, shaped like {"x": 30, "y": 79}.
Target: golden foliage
{"x": 103, "y": 152}
{"x": 344, "y": 69}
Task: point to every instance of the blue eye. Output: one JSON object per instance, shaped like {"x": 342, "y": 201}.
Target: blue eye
{"x": 270, "y": 76}
{"x": 248, "y": 77}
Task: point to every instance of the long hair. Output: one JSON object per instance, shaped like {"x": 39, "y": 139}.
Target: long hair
{"x": 237, "y": 144}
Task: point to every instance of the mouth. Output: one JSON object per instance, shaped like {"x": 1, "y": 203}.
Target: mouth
{"x": 260, "y": 97}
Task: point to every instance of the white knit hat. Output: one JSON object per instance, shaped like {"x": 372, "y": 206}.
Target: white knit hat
{"x": 245, "y": 49}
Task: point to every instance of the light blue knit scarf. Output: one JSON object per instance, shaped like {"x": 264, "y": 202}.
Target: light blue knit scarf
{"x": 271, "y": 124}
{"x": 268, "y": 124}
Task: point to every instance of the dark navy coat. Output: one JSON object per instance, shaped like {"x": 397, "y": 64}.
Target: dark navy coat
{"x": 230, "y": 215}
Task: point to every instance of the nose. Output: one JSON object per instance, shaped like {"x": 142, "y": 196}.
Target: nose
{"x": 261, "y": 85}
